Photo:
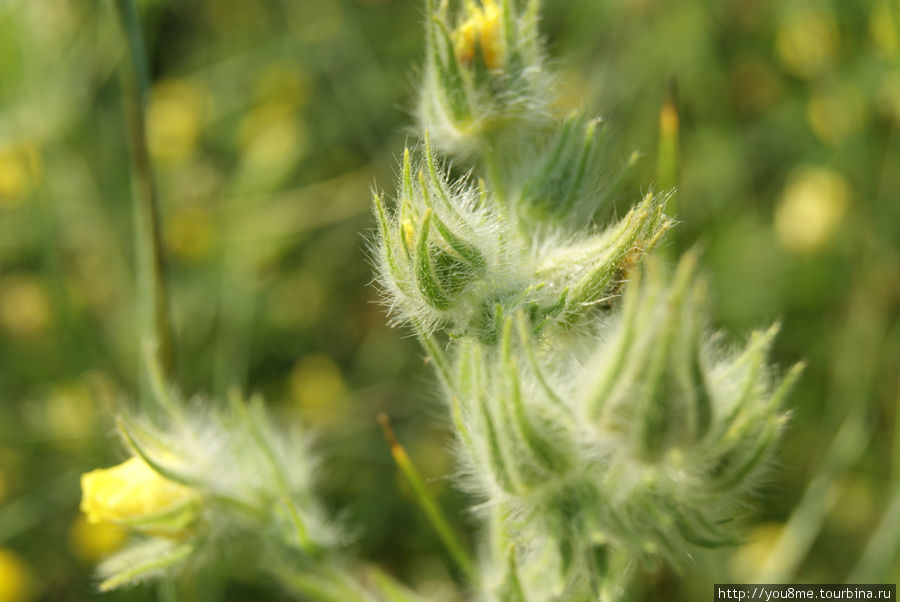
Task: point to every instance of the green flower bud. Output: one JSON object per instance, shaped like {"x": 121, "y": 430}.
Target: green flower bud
{"x": 596, "y": 427}
{"x": 554, "y": 190}
{"x": 595, "y": 268}
{"x": 483, "y": 77}
{"x": 692, "y": 426}
{"x": 645, "y": 444}
{"x": 447, "y": 257}
{"x": 437, "y": 242}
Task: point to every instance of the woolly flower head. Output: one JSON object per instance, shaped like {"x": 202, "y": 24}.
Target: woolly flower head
{"x": 646, "y": 445}
{"x": 483, "y": 77}
{"x": 201, "y": 473}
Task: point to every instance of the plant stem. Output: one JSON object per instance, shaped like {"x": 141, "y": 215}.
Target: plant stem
{"x": 809, "y": 514}
{"x": 495, "y": 174}
{"x": 154, "y": 323}
{"x": 667, "y": 150}
{"x": 884, "y": 544}
{"x": 427, "y": 502}
{"x": 881, "y": 551}
{"x": 325, "y": 584}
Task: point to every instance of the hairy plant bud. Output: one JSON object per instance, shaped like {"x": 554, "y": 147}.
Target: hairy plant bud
{"x": 449, "y": 257}
{"x": 436, "y": 250}
{"x": 555, "y": 189}
{"x": 483, "y": 77}
{"x": 646, "y": 444}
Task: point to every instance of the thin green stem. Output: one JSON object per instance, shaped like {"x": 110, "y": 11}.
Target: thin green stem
{"x": 667, "y": 149}
{"x": 388, "y": 588}
{"x": 322, "y": 584}
{"x": 495, "y": 175}
{"x": 154, "y": 323}
{"x": 808, "y": 516}
{"x": 437, "y": 356}
{"x": 884, "y": 544}
{"x": 427, "y": 502}
{"x": 881, "y": 551}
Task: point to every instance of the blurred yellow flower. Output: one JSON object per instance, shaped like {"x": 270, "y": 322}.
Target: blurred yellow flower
{"x": 273, "y": 135}
{"x": 316, "y": 384}
{"x": 20, "y": 170}
{"x": 884, "y": 27}
{"x": 835, "y": 112}
{"x": 807, "y": 40}
{"x": 24, "y": 306}
{"x": 70, "y": 412}
{"x": 190, "y": 232}
{"x": 285, "y": 82}
{"x": 175, "y": 119}
{"x": 810, "y": 211}
{"x": 91, "y": 542}
{"x": 16, "y": 581}
{"x": 134, "y": 495}
{"x": 856, "y": 508}
{"x": 750, "y": 557}
{"x": 66, "y": 415}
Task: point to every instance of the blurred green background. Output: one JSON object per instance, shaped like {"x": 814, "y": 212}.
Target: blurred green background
{"x": 269, "y": 123}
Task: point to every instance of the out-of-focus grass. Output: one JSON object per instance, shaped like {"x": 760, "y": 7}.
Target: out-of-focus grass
{"x": 269, "y": 122}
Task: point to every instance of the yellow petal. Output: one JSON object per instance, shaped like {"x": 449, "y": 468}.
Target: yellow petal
{"x": 134, "y": 495}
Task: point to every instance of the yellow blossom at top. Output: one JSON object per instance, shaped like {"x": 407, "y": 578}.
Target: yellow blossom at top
{"x": 134, "y": 495}
{"x": 483, "y": 26}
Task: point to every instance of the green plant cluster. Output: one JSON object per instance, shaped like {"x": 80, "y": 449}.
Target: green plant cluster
{"x": 597, "y": 419}
{"x": 560, "y": 440}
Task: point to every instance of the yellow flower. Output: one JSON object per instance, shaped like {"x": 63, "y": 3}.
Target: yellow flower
{"x": 836, "y": 112}
{"x": 811, "y": 211}
{"x": 16, "y": 580}
{"x": 93, "y": 541}
{"x": 751, "y": 557}
{"x": 175, "y": 118}
{"x": 134, "y": 495}
{"x": 316, "y": 384}
{"x": 20, "y": 172}
{"x": 191, "y": 232}
{"x": 484, "y": 26}
{"x": 24, "y": 306}
{"x": 808, "y": 40}
{"x": 491, "y": 38}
